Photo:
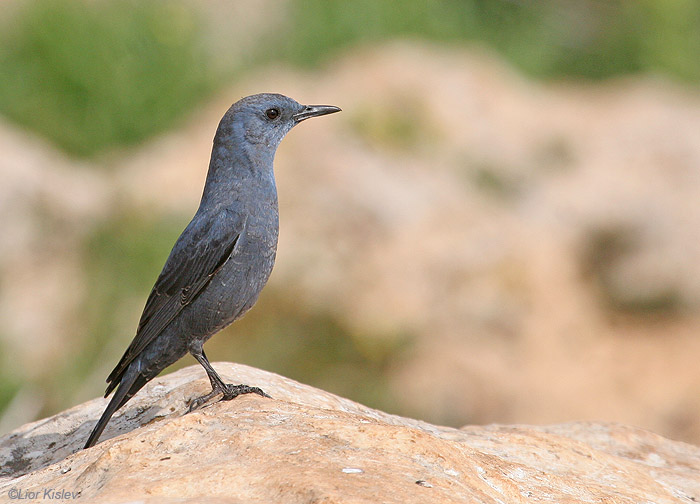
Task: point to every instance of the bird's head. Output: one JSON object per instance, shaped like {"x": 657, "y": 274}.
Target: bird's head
{"x": 247, "y": 139}
{"x": 264, "y": 119}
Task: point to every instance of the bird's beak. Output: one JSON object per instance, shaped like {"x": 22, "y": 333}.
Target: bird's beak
{"x": 314, "y": 111}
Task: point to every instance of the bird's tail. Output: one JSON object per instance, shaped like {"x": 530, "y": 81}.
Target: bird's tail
{"x": 130, "y": 383}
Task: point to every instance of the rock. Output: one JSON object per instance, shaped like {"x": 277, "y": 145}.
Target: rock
{"x": 306, "y": 445}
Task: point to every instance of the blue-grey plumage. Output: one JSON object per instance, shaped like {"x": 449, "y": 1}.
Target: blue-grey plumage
{"x": 222, "y": 259}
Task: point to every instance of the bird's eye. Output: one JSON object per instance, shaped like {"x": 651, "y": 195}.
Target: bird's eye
{"x": 272, "y": 113}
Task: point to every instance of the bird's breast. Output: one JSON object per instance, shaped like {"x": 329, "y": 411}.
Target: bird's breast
{"x": 261, "y": 228}
{"x": 246, "y": 272}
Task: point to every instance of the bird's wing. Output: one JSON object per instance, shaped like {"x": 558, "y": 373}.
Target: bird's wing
{"x": 202, "y": 249}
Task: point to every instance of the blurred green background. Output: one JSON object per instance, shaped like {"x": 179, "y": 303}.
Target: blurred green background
{"x": 97, "y": 78}
{"x": 92, "y": 76}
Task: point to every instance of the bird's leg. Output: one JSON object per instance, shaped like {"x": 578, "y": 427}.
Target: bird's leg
{"x": 218, "y": 386}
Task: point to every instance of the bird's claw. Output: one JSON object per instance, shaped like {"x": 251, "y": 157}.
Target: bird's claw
{"x": 233, "y": 391}
{"x": 197, "y": 403}
{"x": 230, "y": 392}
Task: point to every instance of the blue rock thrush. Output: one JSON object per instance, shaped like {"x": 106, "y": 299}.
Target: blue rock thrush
{"x": 222, "y": 259}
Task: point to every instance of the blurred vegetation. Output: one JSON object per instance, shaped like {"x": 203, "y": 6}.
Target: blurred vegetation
{"x": 9, "y": 383}
{"x": 94, "y": 75}
{"x": 492, "y": 180}
{"x": 122, "y": 258}
{"x": 549, "y": 38}
{"x": 285, "y": 336}
{"x": 393, "y": 124}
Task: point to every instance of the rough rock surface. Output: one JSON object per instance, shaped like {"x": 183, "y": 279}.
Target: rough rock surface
{"x": 307, "y": 445}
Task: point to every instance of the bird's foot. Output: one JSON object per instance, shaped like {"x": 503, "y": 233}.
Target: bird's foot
{"x": 201, "y": 401}
{"x": 231, "y": 391}
{"x": 236, "y": 390}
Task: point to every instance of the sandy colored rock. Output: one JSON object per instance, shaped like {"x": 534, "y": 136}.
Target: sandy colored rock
{"x": 307, "y": 445}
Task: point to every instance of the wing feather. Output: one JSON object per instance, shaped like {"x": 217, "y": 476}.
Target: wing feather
{"x": 199, "y": 253}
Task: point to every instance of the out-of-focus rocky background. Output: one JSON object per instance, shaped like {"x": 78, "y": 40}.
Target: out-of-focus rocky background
{"x": 503, "y": 225}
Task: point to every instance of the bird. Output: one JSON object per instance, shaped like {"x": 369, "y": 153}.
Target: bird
{"x": 222, "y": 259}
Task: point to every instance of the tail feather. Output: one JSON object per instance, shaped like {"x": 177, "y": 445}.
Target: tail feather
{"x": 131, "y": 382}
{"x": 115, "y": 377}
